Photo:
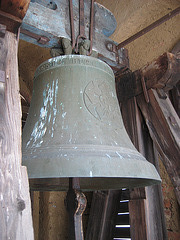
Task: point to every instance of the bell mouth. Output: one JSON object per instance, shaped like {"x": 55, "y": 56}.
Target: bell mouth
{"x": 90, "y": 184}
{"x": 98, "y": 167}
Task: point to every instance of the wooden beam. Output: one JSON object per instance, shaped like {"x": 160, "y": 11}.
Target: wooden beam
{"x": 164, "y": 127}
{"x": 137, "y": 219}
{"x": 3, "y": 56}
{"x": 15, "y": 209}
{"x": 136, "y": 205}
{"x": 11, "y": 22}
{"x": 12, "y": 12}
{"x": 154, "y": 205}
{"x": 162, "y": 73}
{"x": 17, "y": 8}
{"x": 174, "y": 96}
{"x": 146, "y": 210}
{"x": 15, "y": 206}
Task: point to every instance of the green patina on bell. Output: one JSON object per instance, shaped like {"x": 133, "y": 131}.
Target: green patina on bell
{"x": 75, "y": 129}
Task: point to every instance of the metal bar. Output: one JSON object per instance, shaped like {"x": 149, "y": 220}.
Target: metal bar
{"x": 81, "y": 23}
{"x": 91, "y": 26}
{"x": 76, "y": 204}
{"x": 81, "y": 19}
{"x": 72, "y": 24}
{"x": 149, "y": 28}
{"x": 81, "y": 206}
{"x": 76, "y": 183}
{"x": 40, "y": 39}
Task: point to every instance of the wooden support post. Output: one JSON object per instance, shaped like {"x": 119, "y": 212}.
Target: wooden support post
{"x": 15, "y": 207}
{"x": 137, "y": 219}
{"x": 164, "y": 127}
{"x": 146, "y": 216}
{"x": 136, "y": 204}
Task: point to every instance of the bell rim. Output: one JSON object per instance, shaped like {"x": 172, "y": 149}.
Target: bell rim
{"x": 105, "y": 167}
{"x": 90, "y": 184}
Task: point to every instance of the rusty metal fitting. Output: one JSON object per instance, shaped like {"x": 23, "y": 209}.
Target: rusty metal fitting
{"x": 40, "y": 39}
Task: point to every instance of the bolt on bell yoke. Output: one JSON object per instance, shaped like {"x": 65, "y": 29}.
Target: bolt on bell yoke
{"x": 75, "y": 129}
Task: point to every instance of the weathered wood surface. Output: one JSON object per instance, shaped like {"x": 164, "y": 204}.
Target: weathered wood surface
{"x": 174, "y": 96}
{"x": 3, "y": 55}
{"x": 136, "y": 205}
{"x": 137, "y": 219}
{"x": 16, "y": 8}
{"x": 104, "y": 209}
{"x": 164, "y": 127}
{"x": 162, "y": 73}
{"x": 154, "y": 210}
{"x": 12, "y": 23}
{"x": 12, "y": 12}
{"x": 15, "y": 209}
{"x": 146, "y": 208}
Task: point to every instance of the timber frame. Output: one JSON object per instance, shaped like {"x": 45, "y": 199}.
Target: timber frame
{"x": 157, "y": 113}
{"x": 160, "y": 116}
{"x": 15, "y": 206}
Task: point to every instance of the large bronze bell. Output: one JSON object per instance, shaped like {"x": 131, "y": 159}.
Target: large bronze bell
{"x": 75, "y": 129}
